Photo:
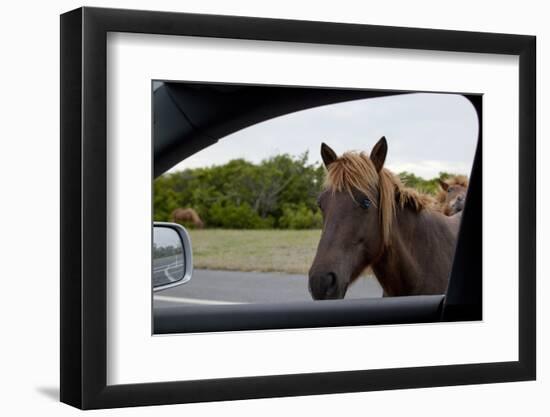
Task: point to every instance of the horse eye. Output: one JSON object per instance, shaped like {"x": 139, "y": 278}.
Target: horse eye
{"x": 365, "y": 203}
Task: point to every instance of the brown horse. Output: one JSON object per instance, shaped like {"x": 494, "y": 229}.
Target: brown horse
{"x": 187, "y": 215}
{"x": 371, "y": 219}
{"x": 452, "y": 195}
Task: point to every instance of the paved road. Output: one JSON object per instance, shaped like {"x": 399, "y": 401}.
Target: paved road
{"x": 209, "y": 287}
{"x": 167, "y": 269}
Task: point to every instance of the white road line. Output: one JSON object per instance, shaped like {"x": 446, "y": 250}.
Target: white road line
{"x": 183, "y": 300}
{"x": 171, "y": 264}
{"x": 169, "y": 275}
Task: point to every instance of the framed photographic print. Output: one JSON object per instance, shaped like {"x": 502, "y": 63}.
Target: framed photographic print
{"x": 287, "y": 204}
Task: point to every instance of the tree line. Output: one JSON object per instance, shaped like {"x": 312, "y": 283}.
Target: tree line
{"x": 279, "y": 192}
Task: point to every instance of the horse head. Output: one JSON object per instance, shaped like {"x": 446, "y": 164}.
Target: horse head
{"x": 357, "y": 211}
{"x": 453, "y": 194}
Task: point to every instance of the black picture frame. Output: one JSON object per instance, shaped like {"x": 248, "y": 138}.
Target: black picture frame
{"x": 83, "y": 209}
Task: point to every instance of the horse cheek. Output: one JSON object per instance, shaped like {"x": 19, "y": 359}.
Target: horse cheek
{"x": 372, "y": 237}
{"x": 366, "y": 246}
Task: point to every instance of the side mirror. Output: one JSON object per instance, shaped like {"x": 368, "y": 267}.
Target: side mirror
{"x": 172, "y": 258}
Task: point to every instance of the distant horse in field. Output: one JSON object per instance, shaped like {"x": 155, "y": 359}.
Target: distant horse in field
{"x": 452, "y": 195}
{"x": 187, "y": 215}
{"x": 370, "y": 219}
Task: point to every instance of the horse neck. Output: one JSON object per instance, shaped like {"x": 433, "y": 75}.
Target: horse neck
{"x": 419, "y": 256}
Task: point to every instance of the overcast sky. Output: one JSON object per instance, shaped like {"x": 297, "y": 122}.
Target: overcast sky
{"x": 426, "y": 133}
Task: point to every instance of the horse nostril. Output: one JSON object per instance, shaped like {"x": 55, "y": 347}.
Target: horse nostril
{"x": 331, "y": 281}
{"x": 323, "y": 286}
{"x": 328, "y": 281}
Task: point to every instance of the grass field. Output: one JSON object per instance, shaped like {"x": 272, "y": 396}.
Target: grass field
{"x": 290, "y": 251}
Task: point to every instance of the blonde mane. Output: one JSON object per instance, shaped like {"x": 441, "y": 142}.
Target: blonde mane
{"x": 355, "y": 170}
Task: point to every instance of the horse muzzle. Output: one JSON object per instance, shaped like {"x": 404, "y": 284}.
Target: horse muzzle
{"x": 325, "y": 287}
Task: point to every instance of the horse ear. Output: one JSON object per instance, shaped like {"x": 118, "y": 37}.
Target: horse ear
{"x": 328, "y": 155}
{"x": 443, "y": 184}
{"x": 378, "y": 153}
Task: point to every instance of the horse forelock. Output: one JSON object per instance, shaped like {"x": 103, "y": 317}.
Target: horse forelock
{"x": 458, "y": 180}
{"x": 355, "y": 171}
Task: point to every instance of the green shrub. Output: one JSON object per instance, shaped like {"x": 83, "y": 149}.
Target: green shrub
{"x": 278, "y": 192}
{"x": 299, "y": 216}
{"x": 229, "y": 215}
